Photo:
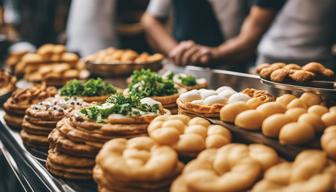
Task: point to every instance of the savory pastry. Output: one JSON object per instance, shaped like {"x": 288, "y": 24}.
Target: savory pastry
{"x": 262, "y": 95}
{"x": 7, "y": 82}
{"x": 146, "y": 83}
{"x": 311, "y": 171}
{"x": 297, "y": 103}
{"x": 185, "y": 81}
{"x": 328, "y": 141}
{"x": 204, "y": 102}
{"x": 314, "y": 120}
{"x": 93, "y": 90}
{"x": 22, "y": 99}
{"x": 250, "y": 119}
{"x": 188, "y": 136}
{"x": 13, "y": 59}
{"x": 138, "y": 164}
{"x": 310, "y": 99}
{"x": 280, "y": 72}
{"x": 41, "y": 119}
{"x": 296, "y": 133}
{"x": 279, "y": 75}
{"x": 81, "y": 134}
{"x": 233, "y": 167}
{"x": 320, "y": 71}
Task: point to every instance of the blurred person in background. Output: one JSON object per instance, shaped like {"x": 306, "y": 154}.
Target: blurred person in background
{"x": 303, "y": 31}
{"x": 91, "y": 26}
{"x": 199, "y": 27}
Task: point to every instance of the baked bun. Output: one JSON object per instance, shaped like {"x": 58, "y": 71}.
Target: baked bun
{"x": 296, "y": 133}
{"x": 328, "y": 141}
{"x": 234, "y": 167}
{"x": 329, "y": 119}
{"x": 318, "y": 110}
{"x": 230, "y": 111}
{"x": 310, "y": 171}
{"x": 310, "y": 99}
{"x": 285, "y": 99}
{"x": 272, "y": 125}
{"x": 295, "y": 113}
{"x": 271, "y": 108}
{"x": 297, "y": 103}
{"x": 313, "y": 120}
{"x": 187, "y": 136}
{"x": 250, "y": 119}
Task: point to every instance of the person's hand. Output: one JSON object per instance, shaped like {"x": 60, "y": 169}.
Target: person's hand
{"x": 189, "y": 53}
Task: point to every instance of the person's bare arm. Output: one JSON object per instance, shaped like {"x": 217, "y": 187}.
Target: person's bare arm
{"x": 243, "y": 47}
{"x": 158, "y": 35}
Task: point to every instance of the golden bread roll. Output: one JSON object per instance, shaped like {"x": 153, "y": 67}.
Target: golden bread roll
{"x": 332, "y": 109}
{"x": 234, "y": 167}
{"x": 250, "y": 119}
{"x": 328, "y": 141}
{"x": 310, "y": 99}
{"x": 285, "y": 99}
{"x": 272, "y": 125}
{"x": 297, "y": 103}
{"x": 296, "y": 133}
{"x": 187, "y": 137}
{"x": 295, "y": 113}
{"x": 253, "y": 103}
{"x": 329, "y": 119}
{"x": 271, "y": 108}
{"x": 230, "y": 111}
{"x": 310, "y": 171}
{"x": 318, "y": 110}
{"x": 313, "y": 120}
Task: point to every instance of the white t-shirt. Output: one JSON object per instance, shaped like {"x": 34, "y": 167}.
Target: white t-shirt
{"x": 303, "y": 30}
{"x": 230, "y": 13}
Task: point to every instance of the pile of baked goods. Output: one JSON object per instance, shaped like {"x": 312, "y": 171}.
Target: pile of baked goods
{"x": 186, "y": 81}
{"x": 52, "y": 64}
{"x": 13, "y": 59}
{"x": 138, "y": 164}
{"x": 41, "y": 119}
{"x": 119, "y": 62}
{"x": 146, "y": 83}
{"x": 311, "y": 171}
{"x": 187, "y": 136}
{"x": 293, "y": 120}
{"x": 93, "y": 90}
{"x": 22, "y": 99}
{"x": 79, "y": 136}
{"x": 127, "y": 56}
{"x": 208, "y": 103}
{"x": 7, "y": 82}
{"x": 233, "y": 167}
{"x": 281, "y": 72}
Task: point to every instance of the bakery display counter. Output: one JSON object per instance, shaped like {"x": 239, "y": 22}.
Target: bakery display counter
{"x": 29, "y": 162}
